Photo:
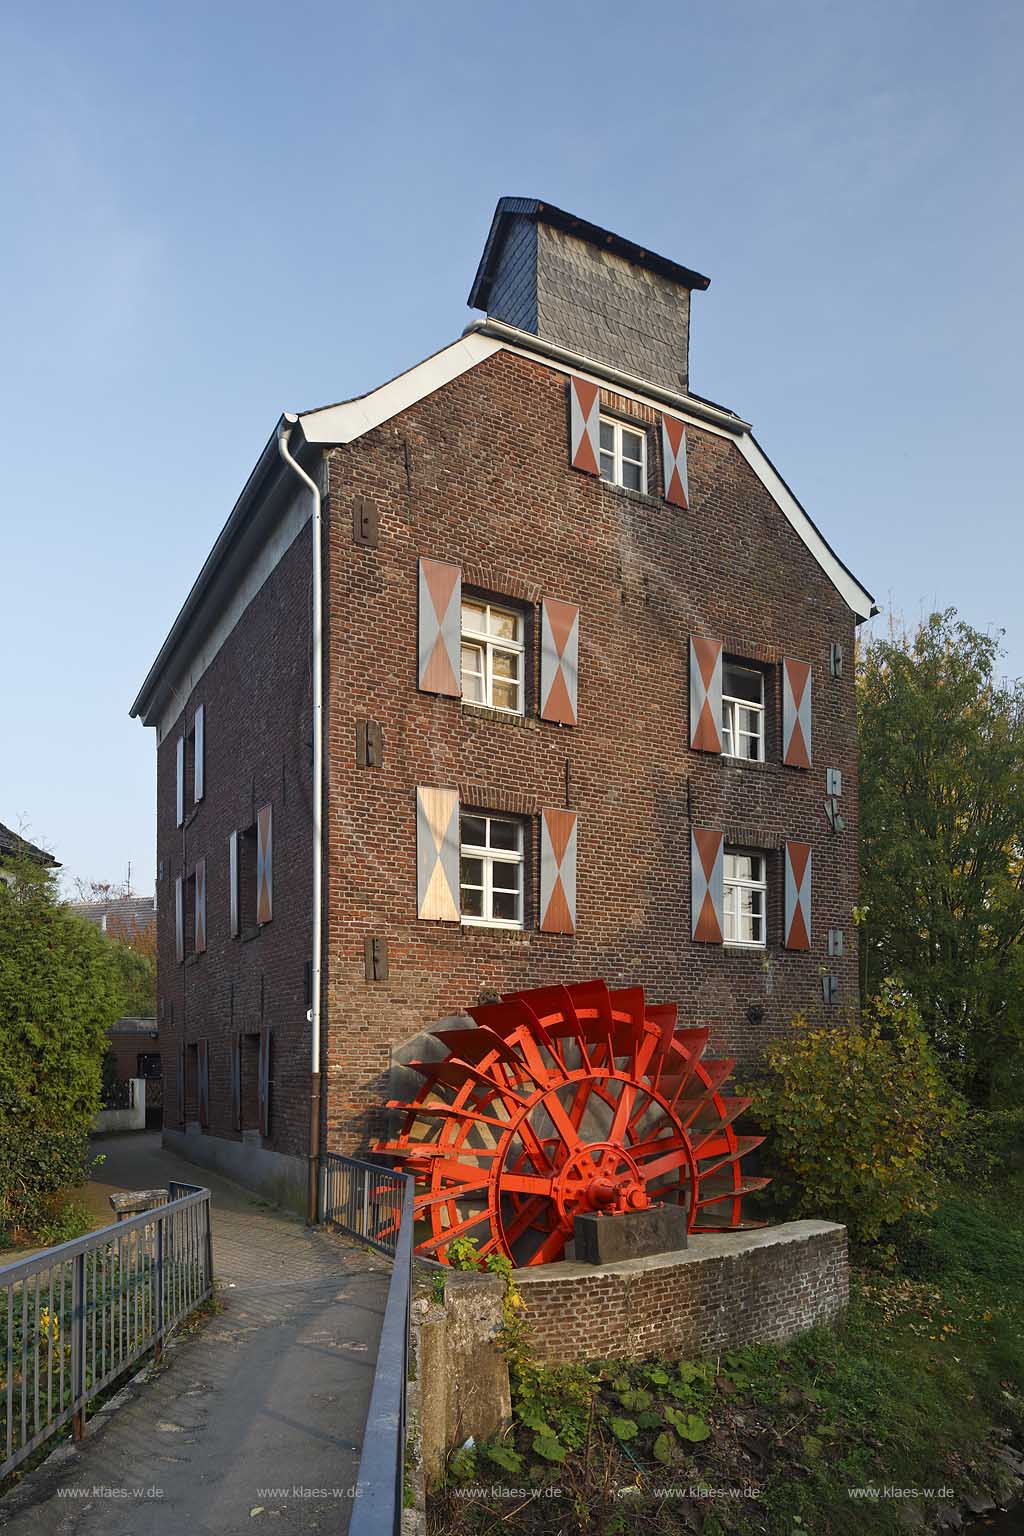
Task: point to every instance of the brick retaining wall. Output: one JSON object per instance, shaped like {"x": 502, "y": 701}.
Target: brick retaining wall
{"x": 724, "y": 1291}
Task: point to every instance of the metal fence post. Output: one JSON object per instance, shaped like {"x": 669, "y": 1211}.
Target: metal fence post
{"x": 209, "y": 1244}
{"x": 159, "y": 1345}
{"x": 78, "y": 1345}
{"x": 366, "y": 1204}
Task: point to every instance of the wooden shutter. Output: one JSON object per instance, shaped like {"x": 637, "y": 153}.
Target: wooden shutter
{"x": 440, "y": 628}
{"x": 264, "y": 1082}
{"x": 558, "y": 871}
{"x": 200, "y": 926}
{"x": 676, "y": 485}
{"x": 705, "y": 694}
{"x": 264, "y": 864}
{"x": 179, "y": 782}
{"x": 707, "y": 885}
{"x": 798, "y": 896}
{"x": 233, "y": 883}
{"x": 584, "y": 425}
{"x": 180, "y": 1086}
{"x": 559, "y": 660}
{"x": 236, "y": 1083}
{"x": 199, "y": 742}
{"x": 796, "y": 713}
{"x": 437, "y": 855}
{"x": 203, "y": 1063}
{"x": 179, "y": 919}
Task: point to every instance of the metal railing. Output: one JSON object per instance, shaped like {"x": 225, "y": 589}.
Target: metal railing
{"x": 376, "y": 1204}
{"x": 362, "y": 1199}
{"x": 76, "y": 1317}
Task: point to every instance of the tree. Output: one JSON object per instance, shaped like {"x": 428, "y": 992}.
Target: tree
{"x": 60, "y": 990}
{"x": 942, "y": 838}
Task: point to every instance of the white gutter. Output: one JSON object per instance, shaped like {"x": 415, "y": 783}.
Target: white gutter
{"x": 313, "y": 1015}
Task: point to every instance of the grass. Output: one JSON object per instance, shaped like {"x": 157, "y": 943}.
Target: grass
{"x": 920, "y": 1387}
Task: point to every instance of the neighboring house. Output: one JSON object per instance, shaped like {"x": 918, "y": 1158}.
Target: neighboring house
{"x": 14, "y": 846}
{"x": 134, "y": 1042}
{"x": 589, "y": 711}
{"x": 121, "y": 917}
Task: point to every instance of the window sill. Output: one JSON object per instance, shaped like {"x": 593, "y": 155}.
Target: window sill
{"x": 732, "y": 948}
{"x": 497, "y": 716}
{"x": 250, "y": 933}
{"x": 760, "y": 765}
{"x": 643, "y": 498}
{"x": 495, "y": 931}
{"x": 193, "y": 959}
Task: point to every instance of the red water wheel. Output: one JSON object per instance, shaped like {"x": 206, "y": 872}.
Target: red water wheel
{"x": 564, "y": 1100}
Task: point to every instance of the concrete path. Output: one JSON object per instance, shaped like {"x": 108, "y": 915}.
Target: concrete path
{"x": 255, "y": 1422}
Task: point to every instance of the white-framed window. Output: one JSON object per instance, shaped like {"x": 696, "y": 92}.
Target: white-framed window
{"x": 491, "y": 870}
{"x": 746, "y": 898}
{"x": 623, "y": 455}
{"x": 742, "y": 712}
{"x": 492, "y": 656}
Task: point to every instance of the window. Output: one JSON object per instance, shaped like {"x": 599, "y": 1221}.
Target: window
{"x": 742, "y": 713}
{"x": 491, "y": 871}
{"x": 623, "y": 455}
{"x": 746, "y": 894}
{"x": 247, "y": 863}
{"x": 492, "y": 657}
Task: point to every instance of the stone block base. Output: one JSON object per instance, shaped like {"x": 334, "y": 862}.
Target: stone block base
{"x": 602, "y": 1239}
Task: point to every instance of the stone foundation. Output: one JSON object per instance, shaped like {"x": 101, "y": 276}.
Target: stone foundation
{"x": 724, "y": 1290}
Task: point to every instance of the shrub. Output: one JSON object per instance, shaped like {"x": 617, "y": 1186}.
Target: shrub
{"x": 60, "y": 990}
{"x": 857, "y": 1115}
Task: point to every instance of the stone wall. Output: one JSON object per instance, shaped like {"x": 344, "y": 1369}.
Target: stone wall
{"x": 725, "y": 1290}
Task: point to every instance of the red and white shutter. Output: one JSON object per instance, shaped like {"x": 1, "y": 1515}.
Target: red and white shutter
{"x": 264, "y": 864}
{"x": 673, "y": 461}
{"x": 199, "y": 735}
{"x": 203, "y": 1062}
{"x": 559, "y": 660}
{"x": 707, "y": 885}
{"x": 584, "y": 425}
{"x": 796, "y": 713}
{"x": 179, "y": 782}
{"x": 440, "y": 628}
{"x": 263, "y": 1082}
{"x": 705, "y": 694}
{"x": 200, "y": 929}
{"x": 179, "y": 919}
{"x": 437, "y": 855}
{"x": 798, "y": 896}
{"x": 558, "y": 871}
{"x": 233, "y": 884}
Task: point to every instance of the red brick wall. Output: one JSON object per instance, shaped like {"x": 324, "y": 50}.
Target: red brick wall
{"x": 745, "y": 1294}
{"x": 478, "y": 474}
{"x": 258, "y": 728}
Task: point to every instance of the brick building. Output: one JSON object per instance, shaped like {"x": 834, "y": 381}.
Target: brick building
{"x": 588, "y": 710}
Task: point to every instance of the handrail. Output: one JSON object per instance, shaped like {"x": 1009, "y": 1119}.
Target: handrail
{"x": 77, "y": 1316}
{"x": 365, "y": 1193}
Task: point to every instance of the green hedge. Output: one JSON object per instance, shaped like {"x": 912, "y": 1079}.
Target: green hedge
{"x": 60, "y": 989}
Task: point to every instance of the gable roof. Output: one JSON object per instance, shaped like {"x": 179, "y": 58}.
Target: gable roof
{"x": 346, "y": 420}
{"x": 349, "y": 419}
{"x": 14, "y": 846}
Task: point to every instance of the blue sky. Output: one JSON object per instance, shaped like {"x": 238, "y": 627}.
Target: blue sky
{"x": 213, "y": 213}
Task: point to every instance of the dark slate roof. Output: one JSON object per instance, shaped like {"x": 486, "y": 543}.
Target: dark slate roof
{"x": 130, "y": 1025}
{"x": 547, "y": 213}
{"x": 12, "y": 845}
{"x": 118, "y": 915}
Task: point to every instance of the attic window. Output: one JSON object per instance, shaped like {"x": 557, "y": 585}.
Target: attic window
{"x": 623, "y": 455}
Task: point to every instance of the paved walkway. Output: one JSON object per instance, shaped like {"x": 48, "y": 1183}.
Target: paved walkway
{"x": 256, "y": 1420}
